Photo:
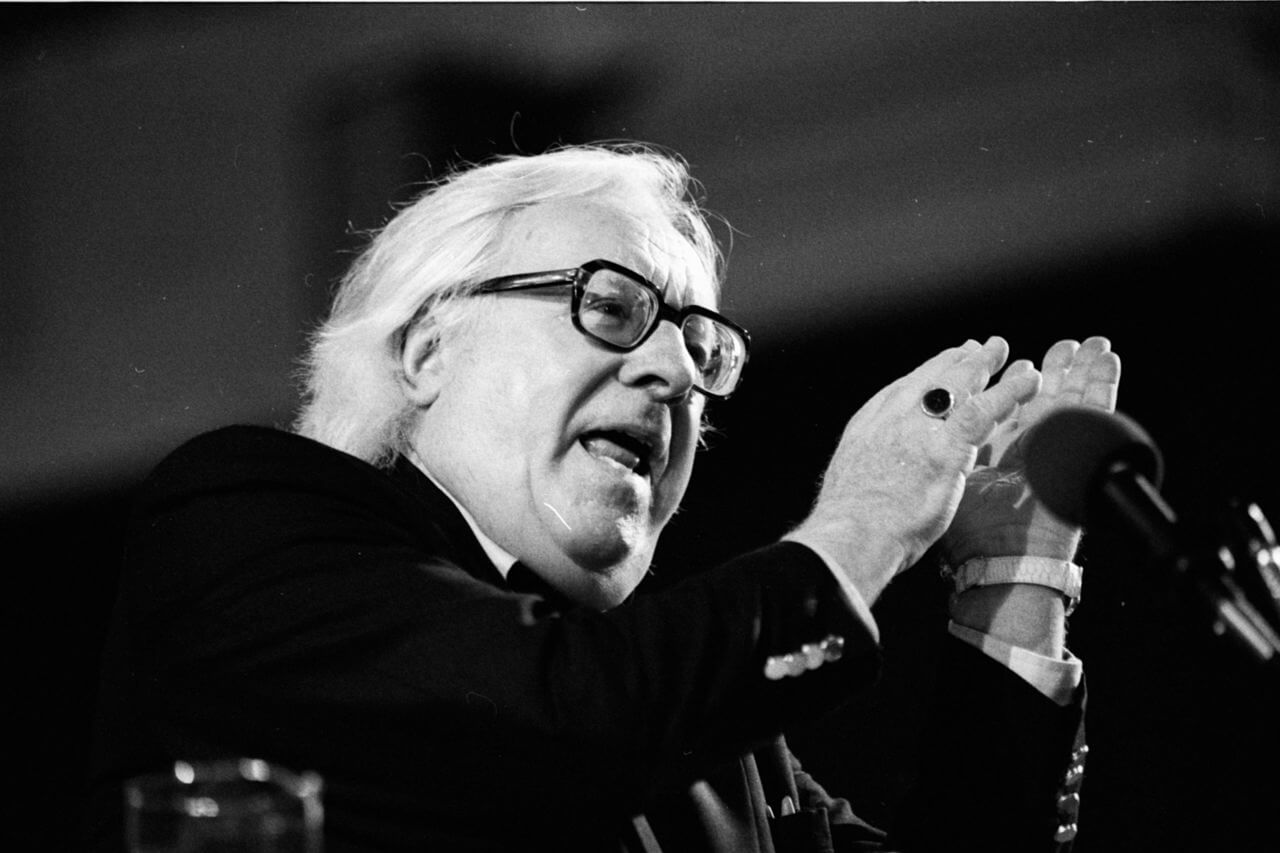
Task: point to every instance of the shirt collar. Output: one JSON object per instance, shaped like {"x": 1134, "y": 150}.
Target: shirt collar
{"x": 501, "y": 559}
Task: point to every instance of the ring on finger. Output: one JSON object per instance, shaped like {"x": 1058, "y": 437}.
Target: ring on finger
{"x": 937, "y": 403}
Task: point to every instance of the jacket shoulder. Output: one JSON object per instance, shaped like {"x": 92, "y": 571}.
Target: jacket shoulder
{"x": 234, "y": 448}
{"x": 257, "y": 477}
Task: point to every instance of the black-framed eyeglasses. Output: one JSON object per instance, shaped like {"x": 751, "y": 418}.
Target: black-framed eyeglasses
{"x": 621, "y": 309}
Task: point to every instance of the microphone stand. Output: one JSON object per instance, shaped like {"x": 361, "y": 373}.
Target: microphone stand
{"x": 1222, "y": 578}
{"x": 1087, "y": 465}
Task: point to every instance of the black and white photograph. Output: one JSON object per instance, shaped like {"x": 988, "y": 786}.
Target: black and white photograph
{"x": 732, "y": 427}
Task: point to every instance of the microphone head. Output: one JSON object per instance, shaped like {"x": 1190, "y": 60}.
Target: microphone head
{"x": 1071, "y": 451}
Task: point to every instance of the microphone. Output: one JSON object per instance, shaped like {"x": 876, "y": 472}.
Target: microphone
{"x": 1086, "y": 465}
{"x": 1082, "y": 461}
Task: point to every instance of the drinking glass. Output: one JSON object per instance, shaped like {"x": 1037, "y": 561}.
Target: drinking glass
{"x": 244, "y": 805}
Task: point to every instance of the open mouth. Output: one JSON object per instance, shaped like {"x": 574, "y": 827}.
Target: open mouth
{"x": 630, "y": 451}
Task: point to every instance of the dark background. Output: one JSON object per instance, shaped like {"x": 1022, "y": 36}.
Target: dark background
{"x": 181, "y": 186}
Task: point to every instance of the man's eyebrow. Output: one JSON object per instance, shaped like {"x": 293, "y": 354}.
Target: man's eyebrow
{"x": 676, "y": 296}
{"x": 682, "y": 295}
{"x": 672, "y": 284}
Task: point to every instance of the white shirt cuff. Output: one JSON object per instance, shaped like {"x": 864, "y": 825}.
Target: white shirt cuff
{"x": 1056, "y": 679}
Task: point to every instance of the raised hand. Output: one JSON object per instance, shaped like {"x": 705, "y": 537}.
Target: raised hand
{"x": 998, "y": 515}
{"x": 898, "y": 474}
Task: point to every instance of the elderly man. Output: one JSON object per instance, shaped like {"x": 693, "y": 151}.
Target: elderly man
{"x": 426, "y": 596}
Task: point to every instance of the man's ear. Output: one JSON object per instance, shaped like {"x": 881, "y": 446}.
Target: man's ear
{"x": 423, "y": 365}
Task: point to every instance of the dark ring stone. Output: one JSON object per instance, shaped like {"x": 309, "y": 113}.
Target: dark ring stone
{"x": 937, "y": 402}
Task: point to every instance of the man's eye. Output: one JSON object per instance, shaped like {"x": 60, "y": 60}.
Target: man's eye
{"x": 607, "y": 305}
{"x": 706, "y": 357}
{"x": 604, "y": 309}
{"x": 703, "y": 345}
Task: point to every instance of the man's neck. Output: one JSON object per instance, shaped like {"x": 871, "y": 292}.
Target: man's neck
{"x": 501, "y": 559}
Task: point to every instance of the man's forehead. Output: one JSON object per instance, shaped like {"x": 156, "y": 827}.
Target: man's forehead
{"x": 568, "y": 233}
{"x": 674, "y": 266}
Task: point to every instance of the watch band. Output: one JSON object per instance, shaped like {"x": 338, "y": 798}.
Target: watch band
{"x": 1062, "y": 575}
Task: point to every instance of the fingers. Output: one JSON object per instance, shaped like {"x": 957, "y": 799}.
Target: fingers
{"x": 1081, "y": 374}
{"x": 983, "y": 363}
{"x": 947, "y": 360}
{"x": 1072, "y": 373}
{"x": 964, "y": 370}
{"x": 1103, "y": 381}
{"x": 1056, "y": 364}
{"x": 978, "y": 416}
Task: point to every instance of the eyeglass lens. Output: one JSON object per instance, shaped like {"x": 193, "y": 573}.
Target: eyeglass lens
{"x": 616, "y": 309}
{"x": 620, "y": 310}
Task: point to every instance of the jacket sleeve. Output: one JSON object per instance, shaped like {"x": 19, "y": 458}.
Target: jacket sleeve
{"x": 1003, "y": 764}
{"x": 1002, "y": 771}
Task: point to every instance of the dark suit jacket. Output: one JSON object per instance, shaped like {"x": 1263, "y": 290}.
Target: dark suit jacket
{"x": 287, "y": 601}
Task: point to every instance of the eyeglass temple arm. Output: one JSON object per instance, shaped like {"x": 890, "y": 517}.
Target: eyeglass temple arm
{"x": 530, "y": 281}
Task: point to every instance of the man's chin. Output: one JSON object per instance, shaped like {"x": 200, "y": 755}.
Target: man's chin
{"x": 604, "y": 575}
{"x": 608, "y": 558}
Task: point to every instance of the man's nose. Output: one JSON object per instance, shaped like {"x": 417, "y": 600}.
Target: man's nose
{"x": 662, "y": 364}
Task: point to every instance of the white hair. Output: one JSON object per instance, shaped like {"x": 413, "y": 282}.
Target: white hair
{"x": 439, "y": 248}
